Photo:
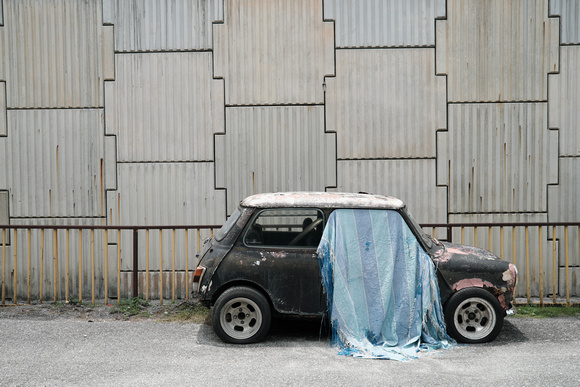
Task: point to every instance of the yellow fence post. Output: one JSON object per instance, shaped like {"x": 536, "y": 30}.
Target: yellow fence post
{"x": 15, "y": 265}
{"x": 541, "y": 263}
{"x": 161, "y": 266}
{"x": 41, "y": 265}
{"x": 80, "y": 265}
{"x": 29, "y": 265}
{"x": 527, "y": 265}
{"x": 554, "y": 265}
{"x": 3, "y": 266}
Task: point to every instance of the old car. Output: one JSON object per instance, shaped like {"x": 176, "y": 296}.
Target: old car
{"x": 263, "y": 261}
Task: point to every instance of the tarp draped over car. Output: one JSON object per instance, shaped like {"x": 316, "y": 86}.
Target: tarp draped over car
{"x": 381, "y": 286}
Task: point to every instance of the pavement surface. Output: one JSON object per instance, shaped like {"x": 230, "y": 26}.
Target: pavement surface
{"x": 56, "y": 349}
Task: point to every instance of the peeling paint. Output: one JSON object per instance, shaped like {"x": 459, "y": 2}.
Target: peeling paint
{"x": 470, "y": 283}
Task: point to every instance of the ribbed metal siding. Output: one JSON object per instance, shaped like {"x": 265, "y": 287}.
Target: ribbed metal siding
{"x": 412, "y": 181}
{"x": 269, "y": 149}
{"x": 385, "y": 103}
{"x": 564, "y": 101}
{"x": 564, "y": 200}
{"x": 384, "y": 23}
{"x": 54, "y": 163}
{"x": 273, "y": 53}
{"x": 569, "y": 12}
{"x": 166, "y": 194}
{"x": 497, "y": 50}
{"x": 164, "y": 106}
{"x": 162, "y": 25}
{"x": 498, "y": 157}
{"x": 53, "y": 53}
{"x": 3, "y": 128}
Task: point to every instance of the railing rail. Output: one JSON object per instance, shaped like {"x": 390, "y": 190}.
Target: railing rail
{"x": 87, "y": 253}
{"x": 158, "y": 261}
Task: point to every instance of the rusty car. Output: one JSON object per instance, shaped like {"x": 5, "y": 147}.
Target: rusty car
{"x": 263, "y": 262}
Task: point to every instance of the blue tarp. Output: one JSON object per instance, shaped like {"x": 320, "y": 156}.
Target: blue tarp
{"x": 381, "y": 286}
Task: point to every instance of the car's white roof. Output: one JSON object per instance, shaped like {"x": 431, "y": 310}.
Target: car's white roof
{"x": 322, "y": 200}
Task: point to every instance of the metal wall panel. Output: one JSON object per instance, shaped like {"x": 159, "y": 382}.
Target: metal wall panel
{"x": 3, "y": 118}
{"x": 54, "y": 163}
{"x": 412, "y": 181}
{"x": 164, "y": 106}
{"x": 384, "y": 23}
{"x": 497, "y": 157}
{"x": 161, "y": 25}
{"x": 375, "y": 93}
{"x": 532, "y": 251}
{"x": 165, "y": 194}
{"x": 497, "y": 50}
{"x": 273, "y": 52}
{"x": 564, "y": 200}
{"x": 564, "y": 100}
{"x": 269, "y": 149}
{"x": 53, "y": 53}
{"x": 569, "y": 12}
{"x": 574, "y": 280}
{"x": 4, "y": 214}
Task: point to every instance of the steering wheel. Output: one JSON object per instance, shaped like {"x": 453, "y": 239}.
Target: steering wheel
{"x": 304, "y": 232}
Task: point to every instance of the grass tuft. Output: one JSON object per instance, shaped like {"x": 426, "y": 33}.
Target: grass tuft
{"x": 547, "y": 311}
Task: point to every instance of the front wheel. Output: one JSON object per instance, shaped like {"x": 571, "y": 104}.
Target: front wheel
{"x": 473, "y": 315}
{"x": 241, "y": 315}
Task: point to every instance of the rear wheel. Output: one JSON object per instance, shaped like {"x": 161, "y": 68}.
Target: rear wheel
{"x": 241, "y": 315}
{"x": 473, "y": 315}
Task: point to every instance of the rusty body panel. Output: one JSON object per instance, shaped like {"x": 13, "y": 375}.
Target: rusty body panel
{"x": 290, "y": 277}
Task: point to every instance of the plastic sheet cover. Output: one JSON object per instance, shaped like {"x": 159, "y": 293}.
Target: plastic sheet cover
{"x": 381, "y": 286}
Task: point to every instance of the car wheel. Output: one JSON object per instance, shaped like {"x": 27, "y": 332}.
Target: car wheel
{"x": 241, "y": 315}
{"x": 473, "y": 315}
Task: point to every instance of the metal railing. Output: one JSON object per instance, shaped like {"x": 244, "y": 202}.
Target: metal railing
{"x": 47, "y": 262}
{"x": 546, "y": 254}
{"x": 52, "y": 264}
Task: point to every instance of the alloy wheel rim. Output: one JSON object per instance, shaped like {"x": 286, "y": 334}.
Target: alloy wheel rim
{"x": 240, "y": 318}
{"x": 474, "y": 318}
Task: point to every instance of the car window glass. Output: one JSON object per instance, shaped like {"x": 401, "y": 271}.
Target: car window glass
{"x": 286, "y": 227}
{"x": 225, "y": 229}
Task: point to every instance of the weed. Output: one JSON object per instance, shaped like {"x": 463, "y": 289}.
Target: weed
{"x": 129, "y": 307}
{"x": 547, "y": 311}
{"x": 186, "y": 312}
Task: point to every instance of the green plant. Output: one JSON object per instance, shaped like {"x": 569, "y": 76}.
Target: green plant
{"x": 185, "y": 311}
{"x": 129, "y": 307}
{"x": 547, "y": 311}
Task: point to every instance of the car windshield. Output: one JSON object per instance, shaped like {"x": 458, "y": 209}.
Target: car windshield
{"x": 225, "y": 229}
{"x": 427, "y": 239}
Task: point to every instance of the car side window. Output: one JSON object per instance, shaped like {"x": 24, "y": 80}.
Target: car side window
{"x": 286, "y": 227}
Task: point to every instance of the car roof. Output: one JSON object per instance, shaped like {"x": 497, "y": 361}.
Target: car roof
{"x": 322, "y": 200}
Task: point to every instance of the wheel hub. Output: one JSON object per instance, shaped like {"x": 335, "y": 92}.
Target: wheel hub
{"x": 475, "y": 318}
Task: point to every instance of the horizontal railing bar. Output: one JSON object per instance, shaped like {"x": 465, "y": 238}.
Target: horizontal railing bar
{"x": 502, "y": 224}
{"x": 101, "y": 227}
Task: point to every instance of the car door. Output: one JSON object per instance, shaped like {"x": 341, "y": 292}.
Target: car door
{"x": 277, "y": 251}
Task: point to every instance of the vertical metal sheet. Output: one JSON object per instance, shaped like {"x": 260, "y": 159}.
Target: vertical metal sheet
{"x": 273, "y": 52}
{"x": 269, "y": 149}
{"x": 564, "y": 101}
{"x": 573, "y": 277}
{"x": 569, "y": 12}
{"x": 412, "y": 181}
{"x": 164, "y": 106}
{"x": 166, "y": 194}
{"x": 3, "y": 118}
{"x": 4, "y": 214}
{"x": 52, "y": 53}
{"x": 385, "y": 103}
{"x": 54, "y": 162}
{"x": 384, "y": 23}
{"x": 498, "y": 157}
{"x": 162, "y": 25}
{"x": 564, "y": 200}
{"x": 497, "y": 50}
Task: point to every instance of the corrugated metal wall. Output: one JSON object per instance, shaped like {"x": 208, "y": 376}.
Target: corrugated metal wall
{"x": 171, "y": 111}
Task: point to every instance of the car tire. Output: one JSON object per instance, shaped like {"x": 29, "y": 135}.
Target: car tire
{"x": 241, "y": 315}
{"x": 473, "y": 315}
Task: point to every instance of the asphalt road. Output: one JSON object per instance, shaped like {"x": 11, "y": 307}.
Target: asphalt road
{"x": 74, "y": 352}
